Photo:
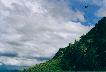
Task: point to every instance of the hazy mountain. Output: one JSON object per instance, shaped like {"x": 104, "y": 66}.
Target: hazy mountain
{"x": 4, "y": 68}
{"x": 10, "y": 68}
{"x": 89, "y": 53}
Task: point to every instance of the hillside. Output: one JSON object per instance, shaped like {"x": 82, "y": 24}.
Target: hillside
{"x": 89, "y": 53}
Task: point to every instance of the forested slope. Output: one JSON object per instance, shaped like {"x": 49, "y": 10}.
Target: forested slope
{"x": 87, "y": 54}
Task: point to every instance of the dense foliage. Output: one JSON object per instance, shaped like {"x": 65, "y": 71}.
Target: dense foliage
{"x": 49, "y": 66}
{"x": 89, "y": 53}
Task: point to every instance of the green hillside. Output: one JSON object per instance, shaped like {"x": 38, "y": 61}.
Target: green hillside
{"x": 87, "y": 54}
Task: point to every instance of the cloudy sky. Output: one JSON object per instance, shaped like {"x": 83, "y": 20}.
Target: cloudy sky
{"x": 32, "y": 31}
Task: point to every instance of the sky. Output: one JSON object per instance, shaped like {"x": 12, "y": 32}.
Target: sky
{"x": 32, "y": 31}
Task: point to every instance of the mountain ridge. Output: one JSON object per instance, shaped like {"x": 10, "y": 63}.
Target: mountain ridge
{"x": 87, "y": 54}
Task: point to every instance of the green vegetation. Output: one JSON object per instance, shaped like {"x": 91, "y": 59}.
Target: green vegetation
{"x": 49, "y": 66}
{"x": 87, "y": 54}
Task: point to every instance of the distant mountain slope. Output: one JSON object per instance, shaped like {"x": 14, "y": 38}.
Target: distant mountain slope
{"x": 10, "y": 68}
{"x": 87, "y": 54}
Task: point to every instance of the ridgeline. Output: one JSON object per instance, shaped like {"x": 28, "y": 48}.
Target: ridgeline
{"x": 87, "y": 54}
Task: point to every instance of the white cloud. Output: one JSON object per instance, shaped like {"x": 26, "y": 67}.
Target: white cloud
{"x": 17, "y": 61}
{"x": 101, "y": 12}
{"x": 37, "y": 28}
